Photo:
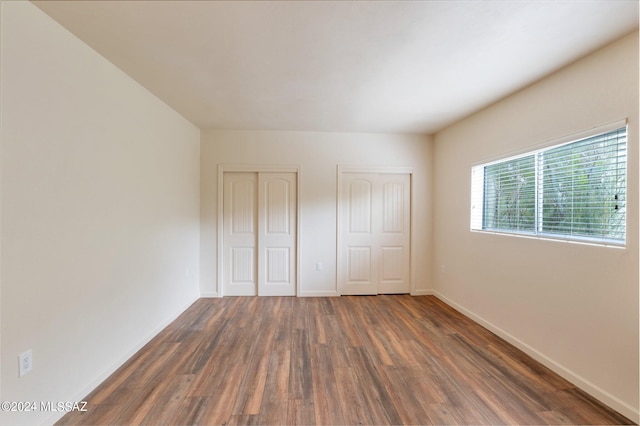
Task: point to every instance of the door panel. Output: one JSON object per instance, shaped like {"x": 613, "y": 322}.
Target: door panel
{"x": 392, "y": 264}
{"x": 359, "y": 202}
{"x": 242, "y": 261}
{"x": 359, "y": 264}
{"x": 393, "y": 207}
{"x": 277, "y": 236}
{"x": 376, "y": 233}
{"x": 243, "y": 205}
{"x": 395, "y": 235}
{"x": 240, "y": 223}
{"x": 278, "y": 265}
{"x": 277, "y": 204}
{"x": 359, "y": 277}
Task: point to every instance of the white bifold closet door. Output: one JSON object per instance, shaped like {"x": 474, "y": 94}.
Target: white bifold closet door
{"x": 259, "y": 239}
{"x": 376, "y": 235}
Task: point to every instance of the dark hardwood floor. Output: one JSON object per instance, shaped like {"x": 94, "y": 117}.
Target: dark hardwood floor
{"x": 329, "y": 361}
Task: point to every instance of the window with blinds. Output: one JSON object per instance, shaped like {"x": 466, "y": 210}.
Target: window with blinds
{"x": 573, "y": 191}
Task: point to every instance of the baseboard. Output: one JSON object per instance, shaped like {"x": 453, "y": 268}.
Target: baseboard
{"x": 333, "y": 293}
{"x": 214, "y": 294}
{"x": 103, "y": 376}
{"x": 422, "y": 292}
{"x": 327, "y": 293}
{"x": 584, "y": 384}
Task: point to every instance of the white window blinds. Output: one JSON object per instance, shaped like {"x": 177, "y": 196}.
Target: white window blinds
{"x": 574, "y": 191}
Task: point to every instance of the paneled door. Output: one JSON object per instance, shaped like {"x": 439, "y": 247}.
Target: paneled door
{"x": 259, "y": 239}
{"x": 277, "y": 234}
{"x": 240, "y": 209}
{"x": 376, "y": 235}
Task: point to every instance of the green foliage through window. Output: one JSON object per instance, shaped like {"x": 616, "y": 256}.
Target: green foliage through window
{"x": 510, "y": 195}
{"x": 576, "y": 191}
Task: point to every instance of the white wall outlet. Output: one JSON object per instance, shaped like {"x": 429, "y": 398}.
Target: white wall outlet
{"x": 319, "y": 266}
{"x": 26, "y": 362}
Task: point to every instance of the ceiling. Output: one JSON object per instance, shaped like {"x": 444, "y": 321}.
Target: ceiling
{"x": 345, "y": 66}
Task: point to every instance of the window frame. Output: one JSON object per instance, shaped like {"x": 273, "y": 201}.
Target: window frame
{"x": 477, "y": 190}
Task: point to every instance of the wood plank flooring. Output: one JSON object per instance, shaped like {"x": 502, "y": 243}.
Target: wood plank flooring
{"x": 334, "y": 361}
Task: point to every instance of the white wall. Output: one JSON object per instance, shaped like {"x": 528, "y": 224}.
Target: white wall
{"x": 100, "y": 213}
{"x": 573, "y": 306}
{"x": 318, "y": 155}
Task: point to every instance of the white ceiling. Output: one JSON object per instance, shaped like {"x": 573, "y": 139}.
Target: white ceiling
{"x": 348, "y": 66}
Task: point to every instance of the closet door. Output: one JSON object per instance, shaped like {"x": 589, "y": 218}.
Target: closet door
{"x": 375, "y": 210}
{"x": 394, "y": 234}
{"x": 240, "y": 234}
{"x": 359, "y": 276}
{"x": 259, "y": 236}
{"x": 277, "y": 234}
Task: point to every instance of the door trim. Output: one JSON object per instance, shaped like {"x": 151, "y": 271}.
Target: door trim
{"x": 342, "y": 169}
{"x": 252, "y": 168}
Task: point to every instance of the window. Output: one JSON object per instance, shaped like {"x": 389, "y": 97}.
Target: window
{"x": 572, "y": 191}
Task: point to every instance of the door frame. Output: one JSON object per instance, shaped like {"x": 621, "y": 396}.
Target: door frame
{"x": 252, "y": 168}
{"x": 342, "y": 169}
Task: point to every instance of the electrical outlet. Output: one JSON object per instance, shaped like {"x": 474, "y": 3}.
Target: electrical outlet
{"x": 26, "y": 362}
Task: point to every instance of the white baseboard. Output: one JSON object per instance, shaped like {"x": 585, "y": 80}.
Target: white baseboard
{"x": 327, "y": 293}
{"x": 584, "y": 384}
{"x": 208, "y": 294}
{"x": 333, "y": 293}
{"x": 103, "y": 376}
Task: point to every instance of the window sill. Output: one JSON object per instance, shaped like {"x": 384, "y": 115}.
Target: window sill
{"x": 559, "y": 239}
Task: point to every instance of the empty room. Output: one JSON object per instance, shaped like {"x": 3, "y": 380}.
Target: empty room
{"x": 319, "y": 212}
